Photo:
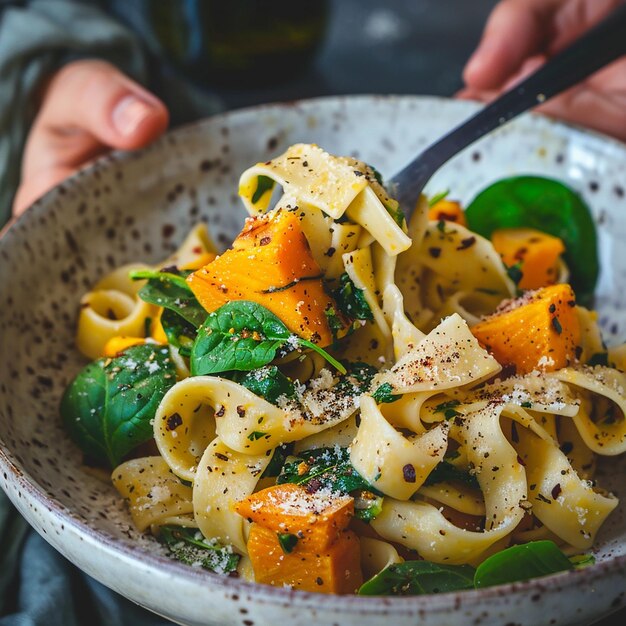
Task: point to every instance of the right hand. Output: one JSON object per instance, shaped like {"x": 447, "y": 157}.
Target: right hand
{"x": 88, "y": 107}
{"x": 522, "y": 34}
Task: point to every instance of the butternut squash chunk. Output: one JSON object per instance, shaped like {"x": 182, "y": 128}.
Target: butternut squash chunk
{"x": 317, "y": 519}
{"x": 537, "y": 253}
{"x": 271, "y": 264}
{"x": 119, "y": 343}
{"x": 539, "y": 331}
{"x": 335, "y": 569}
{"x": 447, "y": 211}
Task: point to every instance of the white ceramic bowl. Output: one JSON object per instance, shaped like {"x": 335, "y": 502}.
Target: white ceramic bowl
{"x": 134, "y": 207}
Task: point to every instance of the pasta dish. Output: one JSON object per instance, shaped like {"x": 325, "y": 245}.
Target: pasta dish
{"x": 344, "y": 402}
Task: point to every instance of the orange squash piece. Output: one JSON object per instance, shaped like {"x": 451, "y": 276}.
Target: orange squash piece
{"x": 270, "y": 263}
{"x": 537, "y": 253}
{"x": 335, "y": 569}
{"x": 447, "y": 211}
{"x": 118, "y": 344}
{"x": 539, "y": 331}
{"x": 317, "y": 519}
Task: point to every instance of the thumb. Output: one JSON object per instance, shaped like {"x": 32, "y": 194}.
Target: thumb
{"x": 96, "y": 98}
{"x": 88, "y": 107}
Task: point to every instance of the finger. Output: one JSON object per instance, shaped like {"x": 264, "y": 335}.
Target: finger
{"x": 88, "y": 107}
{"x": 600, "y": 110}
{"x": 516, "y": 30}
{"x": 95, "y": 97}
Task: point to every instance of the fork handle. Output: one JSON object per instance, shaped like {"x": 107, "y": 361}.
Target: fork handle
{"x": 602, "y": 44}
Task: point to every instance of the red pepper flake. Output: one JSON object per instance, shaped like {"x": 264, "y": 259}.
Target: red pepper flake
{"x": 408, "y": 471}
{"x": 174, "y": 421}
{"x": 241, "y": 411}
{"x": 265, "y": 240}
{"x": 220, "y": 412}
{"x": 556, "y": 490}
{"x": 221, "y": 456}
{"x": 466, "y": 243}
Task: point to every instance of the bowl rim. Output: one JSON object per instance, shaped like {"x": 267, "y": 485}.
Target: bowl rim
{"x": 265, "y": 593}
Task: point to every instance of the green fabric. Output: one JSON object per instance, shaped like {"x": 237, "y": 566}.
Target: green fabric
{"x": 38, "y": 587}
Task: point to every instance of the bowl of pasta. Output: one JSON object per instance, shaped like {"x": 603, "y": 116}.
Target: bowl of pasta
{"x": 239, "y": 378}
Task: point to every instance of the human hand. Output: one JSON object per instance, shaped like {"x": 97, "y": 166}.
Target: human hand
{"x": 88, "y": 107}
{"x": 521, "y": 35}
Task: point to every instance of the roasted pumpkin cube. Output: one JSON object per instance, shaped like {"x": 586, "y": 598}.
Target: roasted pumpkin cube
{"x": 537, "y": 253}
{"x": 334, "y": 569}
{"x": 271, "y": 264}
{"x": 447, "y": 211}
{"x": 317, "y": 519}
{"x": 539, "y": 331}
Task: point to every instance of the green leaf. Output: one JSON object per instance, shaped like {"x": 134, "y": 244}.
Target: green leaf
{"x": 287, "y": 542}
{"x": 351, "y": 300}
{"x": 448, "y": 409}
{"x": 419, "y": 577}
{"x": 383, "y": 394}
{"x": 269, "y": 383}
{"x": 280, "y": 455}
{"x": 546, "y": 205}
{"x": 599, "y": 358}
{"x": 324, "y": 468}
{"x": 263, "y": 184}
{"x": 581, "y": 561}
{"x": 108, "y": 408}
{"x": 170, "y": 290}
{"x": 446, "y": 472}
{"x": 514, "y": 272}
{"x": 243, "y": 336}
{"x": 357, "y": 379}
{"x": 179, "y": 332}
{"x": 367, "y": 505}
{"x": 442, "y": 195}
{"x": 239, "y": 336}
{"x": 523, "y": 562}
{"x": 396, "y": 214}
{"x": 188, "y": 546}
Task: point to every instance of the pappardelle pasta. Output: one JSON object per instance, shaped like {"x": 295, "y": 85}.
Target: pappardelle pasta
{"x": 343, "y": 402}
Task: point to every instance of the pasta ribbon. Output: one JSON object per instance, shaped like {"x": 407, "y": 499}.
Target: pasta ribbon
{"x": 155, "y": 494}
{"x": 395, "y": 464}
{"x": 224, "y": 477}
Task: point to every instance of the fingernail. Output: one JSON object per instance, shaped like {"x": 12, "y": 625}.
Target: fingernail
{"x": 129, "y": 113}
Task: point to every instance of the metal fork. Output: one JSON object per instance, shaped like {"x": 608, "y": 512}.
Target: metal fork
{"x": 598, "y": 47}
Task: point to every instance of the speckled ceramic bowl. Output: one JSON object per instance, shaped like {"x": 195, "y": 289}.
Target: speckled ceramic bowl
{"x": 138, "y": 207}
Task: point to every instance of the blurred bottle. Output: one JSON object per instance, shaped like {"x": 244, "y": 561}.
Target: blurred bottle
{"x": 242, "y": 43}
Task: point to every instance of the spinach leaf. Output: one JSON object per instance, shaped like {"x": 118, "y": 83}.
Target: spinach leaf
{"x": 367, "y": 505}
{"x": 517, "y": 563}
{"x": 441, "y": 195}
{"x": 351, "y": 300}
{"x": 170, "y": 290}
{"x": 523, "y": 562}
{"x": 549, "y": 206}
{"x": 268, "y": 382}
{"x": 189, "y": 546}
{"x": 263, "y": 184}
{"x": 108, "y": 408}
{"x": 419, "y": 577}
{"x": 287, "y": 542}
{"x": 445, "y": 472}
{"x": 357, "y": 379}
{"x": 244, "y": 336}
{"x": 281, "y": 453}
{"x": 324, "y": 468}
{"x": 179, "y": 332}
{"x": 599, "y": 358}
{"x": 383, "y": 394}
